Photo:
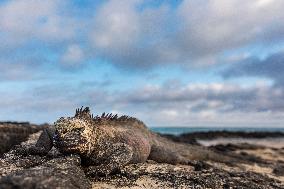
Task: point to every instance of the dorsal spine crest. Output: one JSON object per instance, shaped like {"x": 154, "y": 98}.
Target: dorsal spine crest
{"x": 85, "y": 112}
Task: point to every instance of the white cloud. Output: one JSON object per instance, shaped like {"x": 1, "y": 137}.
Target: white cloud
{"x": 126, "y": 34}
{"x": 218, "y": 25}
{"x": 195, "y": 33}
{"x": 116, "y": 25}
{"x": 207, "y": 104}
{"x": 20, "y": 69}
{"x": 216, "y": 104}
{"x": 15, "y": 72}
{"x": 73, "y": 55}
{"x": 22, "y": 20}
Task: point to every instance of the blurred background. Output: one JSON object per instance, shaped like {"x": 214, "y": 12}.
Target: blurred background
{"x": 169, "y": 63}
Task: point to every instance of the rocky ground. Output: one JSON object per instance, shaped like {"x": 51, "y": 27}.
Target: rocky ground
{"x": 265, "y": 170}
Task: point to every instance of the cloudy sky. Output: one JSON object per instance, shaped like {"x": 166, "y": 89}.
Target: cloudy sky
{"x": 167, "y": 62}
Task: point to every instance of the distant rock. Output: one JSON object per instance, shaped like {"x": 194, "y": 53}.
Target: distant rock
{"x": 228, "y": 134}
{"x": 12, "y": 133}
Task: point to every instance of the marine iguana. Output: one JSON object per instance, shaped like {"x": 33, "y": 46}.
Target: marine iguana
{"x": 109, "y": 142}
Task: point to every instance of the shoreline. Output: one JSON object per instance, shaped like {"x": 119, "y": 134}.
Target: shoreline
{"x": 202, "y": 130}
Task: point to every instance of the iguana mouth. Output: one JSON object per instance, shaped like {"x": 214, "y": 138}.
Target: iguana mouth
{"x": 69, "y": 143}
{"x": 66, "y": 147}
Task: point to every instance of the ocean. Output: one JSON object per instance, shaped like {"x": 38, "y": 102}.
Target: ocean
{"x": 180, "y": 130}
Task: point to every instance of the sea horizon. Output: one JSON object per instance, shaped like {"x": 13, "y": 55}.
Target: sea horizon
{"x": 176, "y": 130}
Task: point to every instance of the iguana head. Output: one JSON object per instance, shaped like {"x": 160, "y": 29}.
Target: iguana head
{"x": 75, "y": 134}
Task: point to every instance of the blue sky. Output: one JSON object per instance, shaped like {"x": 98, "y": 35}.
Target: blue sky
{"x": 169, "y": 63}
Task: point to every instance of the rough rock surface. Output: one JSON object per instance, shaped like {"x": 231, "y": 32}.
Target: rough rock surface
{"x": 63, "y": 172}
{"x": 55, "y": 170}
{"x": 152, "y": 175}
{"x": 52, "y": 171}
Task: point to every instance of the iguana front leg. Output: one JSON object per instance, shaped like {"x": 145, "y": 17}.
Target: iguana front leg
{"x": 44, "y": 143}
{"x": 117, "y": 156}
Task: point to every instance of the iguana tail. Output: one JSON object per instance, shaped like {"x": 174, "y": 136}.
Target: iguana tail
{"x": 167, "y": 151}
